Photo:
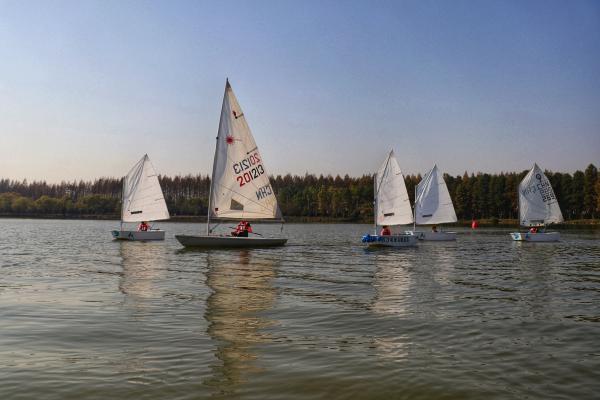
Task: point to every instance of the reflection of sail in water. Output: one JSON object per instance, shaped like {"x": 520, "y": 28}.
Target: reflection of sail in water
{"x": 241, "y": 291}
{"x": 144, "y": 264}
{"x": 392, "y": 282}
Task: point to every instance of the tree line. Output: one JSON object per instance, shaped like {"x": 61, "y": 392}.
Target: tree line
{"x": 475, "y": 196}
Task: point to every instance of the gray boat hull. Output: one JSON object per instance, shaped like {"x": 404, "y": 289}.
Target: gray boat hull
{"x": 203, "y": 241}
{"x": 154, "y": 234}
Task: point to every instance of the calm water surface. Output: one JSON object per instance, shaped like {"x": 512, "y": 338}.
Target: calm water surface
{"x": 84, "y": 317}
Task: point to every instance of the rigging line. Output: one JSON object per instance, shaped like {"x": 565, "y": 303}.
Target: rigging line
{"x": 246, "y": 127}
{"x": 385, "y": 170}
{"x": 241, "y": 195}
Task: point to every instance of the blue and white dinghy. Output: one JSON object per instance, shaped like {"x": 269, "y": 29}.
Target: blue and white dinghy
{"x": 240, "y": 187}
{"x": 538, "y": 207}
{"x": 143, "y": 201}
{"x": 392, "y": 206}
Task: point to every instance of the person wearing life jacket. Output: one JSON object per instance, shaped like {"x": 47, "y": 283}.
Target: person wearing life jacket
{"x": 385, "y": 231}
{"x": 533, "y": 229}
{"x": 143, "y": 226}
{"x": 242, "y": 229}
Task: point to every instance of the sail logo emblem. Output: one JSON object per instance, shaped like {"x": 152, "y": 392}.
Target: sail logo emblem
{"x": 229, "y": 139}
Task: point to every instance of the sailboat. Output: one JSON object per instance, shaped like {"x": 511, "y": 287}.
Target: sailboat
{"x": 537, "y": 207}
{"x": 143, "y": 200}
{"x": 240, "y": 187}
{"x": 392, "y": 206}
{"x": 433, "y": 206}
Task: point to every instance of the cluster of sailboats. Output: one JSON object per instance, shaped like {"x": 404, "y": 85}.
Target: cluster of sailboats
{"x": 433, "y": 206}
{"x": 241, "y": 191}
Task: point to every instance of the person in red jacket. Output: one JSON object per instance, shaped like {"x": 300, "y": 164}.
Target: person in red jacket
{"x": 242, "y": 229}
{"x": 385, "y": 231}
{"x": 143, "y": 226}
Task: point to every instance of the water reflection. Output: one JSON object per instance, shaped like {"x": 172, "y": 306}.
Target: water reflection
{"x": 392, "y": 283}
{"x": 242, "y": 289}
{"x": 144, "y": 265}
{"x": 536, "y": 275}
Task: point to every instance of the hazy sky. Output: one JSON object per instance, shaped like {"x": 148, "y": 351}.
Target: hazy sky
{"x": 88, "y": 87}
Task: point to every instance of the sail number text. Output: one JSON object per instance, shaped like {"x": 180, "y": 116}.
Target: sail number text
{"x": 248, "y": 169}
{"x": 544, "y": 188}
{"x": 250, "y": 175}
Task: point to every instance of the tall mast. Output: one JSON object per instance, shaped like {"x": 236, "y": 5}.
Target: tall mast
{"x": 212, "y": 178}
{"x": 122, "y": 201}
{"x": 415, "y": 211}
{"x": 375, "y": 204}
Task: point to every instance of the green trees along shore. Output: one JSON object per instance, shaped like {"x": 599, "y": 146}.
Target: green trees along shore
{"x": 479, "y": 196}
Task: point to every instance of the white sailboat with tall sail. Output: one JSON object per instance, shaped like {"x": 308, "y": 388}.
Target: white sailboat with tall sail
{"x": 433, "y": 206}
{"x": 538, "y": 207}
{"x": 240, "y": 187}
{"x": 143, "y": 201}
{"x": 392, "y": 206}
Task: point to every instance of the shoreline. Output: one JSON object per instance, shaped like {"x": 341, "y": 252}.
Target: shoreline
{"x": 483, "y": 223}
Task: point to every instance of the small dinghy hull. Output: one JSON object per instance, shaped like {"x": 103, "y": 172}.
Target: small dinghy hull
{"x": 536, "y": 237}
{"x": 204, "y": 241}
{"x": 374, "y": 241}
{"x": 155, "y": 234}
{"x": 433, "y": 236}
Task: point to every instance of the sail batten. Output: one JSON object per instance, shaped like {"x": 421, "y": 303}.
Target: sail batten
{"x": 537, "y": 202}
{"x": 143, "y": 199}
{"x": 240, "y": 186}
{"x": 392, "y": 205}
{"x": 433, "y": 204}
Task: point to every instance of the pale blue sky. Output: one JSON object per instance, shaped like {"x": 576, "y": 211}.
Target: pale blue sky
{"x": 88, "y": 87}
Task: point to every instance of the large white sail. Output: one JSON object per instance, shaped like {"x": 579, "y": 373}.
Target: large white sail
{"x": 392, "y": 205}
{"x": 240, "y": 184}
{"x": 143, "y": 198}
{"x": 537, "y": 202}
{"x": 433, "y": 204}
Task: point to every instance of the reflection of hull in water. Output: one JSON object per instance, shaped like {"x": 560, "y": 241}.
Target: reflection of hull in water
{"x": 241, "y": 292}
{"x": 374, "y": 241}
{"x": 434, "y": 236}
{"x": 228, "y": 241}
{"x": 144, "y": 265}
{"x": 155, "y": 234}
{"x": 536, "y": 237}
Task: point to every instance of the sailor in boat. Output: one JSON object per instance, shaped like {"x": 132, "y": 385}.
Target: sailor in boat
{"x": 143, "y": 226}
{"x": 242, "y": 229}
{"x": 385, "y": 231}
{"x": 533, "y": 229}
{"x": 434, "y": 228}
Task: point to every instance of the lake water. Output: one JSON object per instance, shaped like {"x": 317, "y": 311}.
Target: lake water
{"x": 84, "y": 317}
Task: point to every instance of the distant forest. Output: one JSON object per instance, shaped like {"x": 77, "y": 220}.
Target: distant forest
{"x": 479, "y": 196}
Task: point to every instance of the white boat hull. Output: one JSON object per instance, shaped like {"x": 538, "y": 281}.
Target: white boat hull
{"x": 228, "y": 241}
{"x": 433, "y": 236}
{"x": 155, "y": 234}
{"x": 536, "y": 237}
{"x": 373, "y": 241}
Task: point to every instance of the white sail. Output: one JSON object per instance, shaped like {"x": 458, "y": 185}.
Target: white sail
{"x": 143, "y": 198}
{"x": 537, "y": 202}
{"x": 392, "y": 205}
{"x": 240, "y": 184}
{"x": 433, "y": 204}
